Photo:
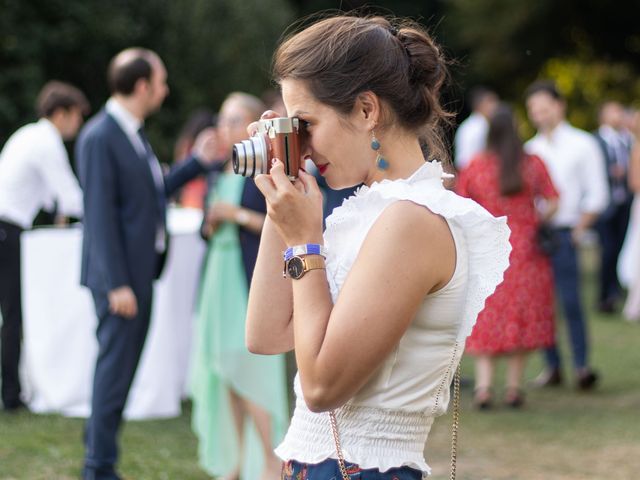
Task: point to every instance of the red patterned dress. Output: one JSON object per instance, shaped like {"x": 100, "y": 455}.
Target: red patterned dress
{"x": 520, "y": 314}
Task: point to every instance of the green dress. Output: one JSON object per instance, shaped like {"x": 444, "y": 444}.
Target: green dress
{"x": 222, "y": 361}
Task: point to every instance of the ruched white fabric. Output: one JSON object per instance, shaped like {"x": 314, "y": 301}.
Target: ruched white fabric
{"x": 386, "y": 424}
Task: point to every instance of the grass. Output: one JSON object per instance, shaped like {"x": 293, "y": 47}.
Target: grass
{"x": 561, "y": 434}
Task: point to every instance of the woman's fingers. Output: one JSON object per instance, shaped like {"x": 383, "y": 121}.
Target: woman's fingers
{"x": 266, "y": 186}
{"x": 269, "y": 114}
{"x": 309, "y": 182}
{"x": 279, "y": 177}
{"x": 253, "y": 127}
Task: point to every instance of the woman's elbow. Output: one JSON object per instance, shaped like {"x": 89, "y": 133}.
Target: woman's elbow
{"x": 254, "y": 347}
{"x": 263, "y": 346}
{"x": 320, "y": 399}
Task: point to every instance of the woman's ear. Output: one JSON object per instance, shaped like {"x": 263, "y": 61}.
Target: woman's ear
{"x": 367, "y": 110}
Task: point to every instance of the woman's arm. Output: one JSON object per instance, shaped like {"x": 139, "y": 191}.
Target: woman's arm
{"x": 550, "y": 209}
{"x": 221, "y": 212}
{"x": 408, "y": 253}
{"x": 634, "y": 167}
{"x": 268, "y": 327}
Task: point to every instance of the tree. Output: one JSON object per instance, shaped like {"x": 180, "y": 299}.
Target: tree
{"x": 592, "y": 53}
{"x": 210, "y": 48}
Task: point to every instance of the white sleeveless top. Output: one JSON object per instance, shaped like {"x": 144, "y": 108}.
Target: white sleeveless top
{"x": 386, "y": 424}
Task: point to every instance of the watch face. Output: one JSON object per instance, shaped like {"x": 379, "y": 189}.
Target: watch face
{"x": 295, "y": 267}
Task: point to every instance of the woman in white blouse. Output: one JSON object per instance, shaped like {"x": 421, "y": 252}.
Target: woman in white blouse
{"x": 378, "y": 308}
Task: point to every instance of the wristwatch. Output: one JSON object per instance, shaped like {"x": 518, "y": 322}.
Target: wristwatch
{"x": 297, "y": 266}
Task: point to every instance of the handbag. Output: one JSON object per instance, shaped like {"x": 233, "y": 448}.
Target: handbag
{"x": 546, "y": 239}
{"x": 454, "y": 431}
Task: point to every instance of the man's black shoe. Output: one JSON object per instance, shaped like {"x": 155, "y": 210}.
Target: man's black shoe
{"x": 587, "y": 379}
{"x": 15, "y": 407}
{"x": 547, "y": 378}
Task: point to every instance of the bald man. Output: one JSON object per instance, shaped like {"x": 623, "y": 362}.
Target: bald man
{"x": 125, "y": 237}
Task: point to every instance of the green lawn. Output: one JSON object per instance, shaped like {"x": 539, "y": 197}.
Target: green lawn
{"x": 561, "y": 434}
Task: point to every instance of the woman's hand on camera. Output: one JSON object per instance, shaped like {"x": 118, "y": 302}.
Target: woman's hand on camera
{"x": 295, "y": 208}
{"x": 253, "y": 126}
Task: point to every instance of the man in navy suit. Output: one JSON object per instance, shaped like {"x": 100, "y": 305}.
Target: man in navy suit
{"x": 125, "y": 241}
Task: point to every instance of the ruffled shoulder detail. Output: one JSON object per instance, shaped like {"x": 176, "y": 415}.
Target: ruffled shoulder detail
{"x": 485, "y": 237}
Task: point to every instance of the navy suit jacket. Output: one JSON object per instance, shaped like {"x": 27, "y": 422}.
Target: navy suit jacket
{"x": 122, "y": 209}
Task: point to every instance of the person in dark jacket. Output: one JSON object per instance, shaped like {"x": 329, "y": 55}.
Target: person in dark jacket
{"x": 124, "y": 236}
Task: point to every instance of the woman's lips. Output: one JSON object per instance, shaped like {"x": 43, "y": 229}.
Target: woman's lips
{"x": 322, "y": 168}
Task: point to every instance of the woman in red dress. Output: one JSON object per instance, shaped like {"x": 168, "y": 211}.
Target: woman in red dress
{"x": 519, "y": 316}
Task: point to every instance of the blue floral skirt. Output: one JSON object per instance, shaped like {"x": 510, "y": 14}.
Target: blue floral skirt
{"x": 330, "y": 470}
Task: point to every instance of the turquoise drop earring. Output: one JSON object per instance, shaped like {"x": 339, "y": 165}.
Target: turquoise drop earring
{"x": 381, "y": 162}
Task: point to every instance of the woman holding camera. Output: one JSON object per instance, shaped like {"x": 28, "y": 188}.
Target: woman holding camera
{"x": 239, "y": 399}
{"x": 378, "y": 308}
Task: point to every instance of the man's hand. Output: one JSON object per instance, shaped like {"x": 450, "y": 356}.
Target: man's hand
{"x": 206, "y": 147}
{"x": 61, "y": 221}
{"x": 122, "y": 301}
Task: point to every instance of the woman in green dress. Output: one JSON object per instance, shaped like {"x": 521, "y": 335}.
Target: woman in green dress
{"x": 239, "y": 399}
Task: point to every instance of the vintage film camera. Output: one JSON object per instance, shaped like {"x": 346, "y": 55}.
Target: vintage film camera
{"x": 276, "y": 138}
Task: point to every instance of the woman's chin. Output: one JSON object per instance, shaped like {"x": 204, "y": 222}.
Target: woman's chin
{"x": 334, "y": 184}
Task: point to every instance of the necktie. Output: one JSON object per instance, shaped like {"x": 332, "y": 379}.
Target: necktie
{"x": 156, "y": 171}
{"x": 158, "y": 181}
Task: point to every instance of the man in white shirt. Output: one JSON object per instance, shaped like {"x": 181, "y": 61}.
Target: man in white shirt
{"x": 577, "y": 168}
{"x": 34, "y": 174}
{"x": 471, "y": 136}
{"x": 615, "y": 141}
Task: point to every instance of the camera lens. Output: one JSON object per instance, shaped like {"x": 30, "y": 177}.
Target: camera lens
{"x": 249, "y": 157}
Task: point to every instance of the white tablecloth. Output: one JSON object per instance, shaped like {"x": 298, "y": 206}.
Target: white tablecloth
{"x": 60, "y": 346}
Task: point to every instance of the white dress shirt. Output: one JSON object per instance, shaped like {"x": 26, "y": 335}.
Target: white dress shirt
{"x": 35, "y": 173}
{"x": 131, "y": 125}
{"x": 471, "y": 138}
{"x": 577, "y": 168}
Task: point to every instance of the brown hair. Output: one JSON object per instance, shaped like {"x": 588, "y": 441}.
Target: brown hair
{"x": 547, "y": 86}
{"x": 129, "y": 66}
{"x": 55, "y": 95}
{"x": 342, "y": 56}
{"x": 503, "y": 139}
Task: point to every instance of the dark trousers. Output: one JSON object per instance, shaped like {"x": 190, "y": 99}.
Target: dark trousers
{"x": 612, "y": 228}
{"x": 11, "y": 305}
{"x": 120, "y": 343}
{"x": 567, "y": 281}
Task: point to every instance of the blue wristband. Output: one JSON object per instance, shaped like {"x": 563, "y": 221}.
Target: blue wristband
{"x": 306, "y": 249}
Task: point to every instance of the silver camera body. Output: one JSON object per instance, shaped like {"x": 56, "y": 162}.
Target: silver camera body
{"x": 279, "y": 138}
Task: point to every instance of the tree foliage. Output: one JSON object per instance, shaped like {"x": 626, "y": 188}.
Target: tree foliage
{"x": 590, "y": 47}
{"x": 210, "y": 48}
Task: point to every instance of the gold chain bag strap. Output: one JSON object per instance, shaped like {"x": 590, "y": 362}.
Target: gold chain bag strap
{"x": 454, "y": 431}
{"x": 336, "y": 439}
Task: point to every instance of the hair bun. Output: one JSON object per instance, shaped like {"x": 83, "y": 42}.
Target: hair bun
{"x": 425, "y": 60}
{"x": 342, "y": 56}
